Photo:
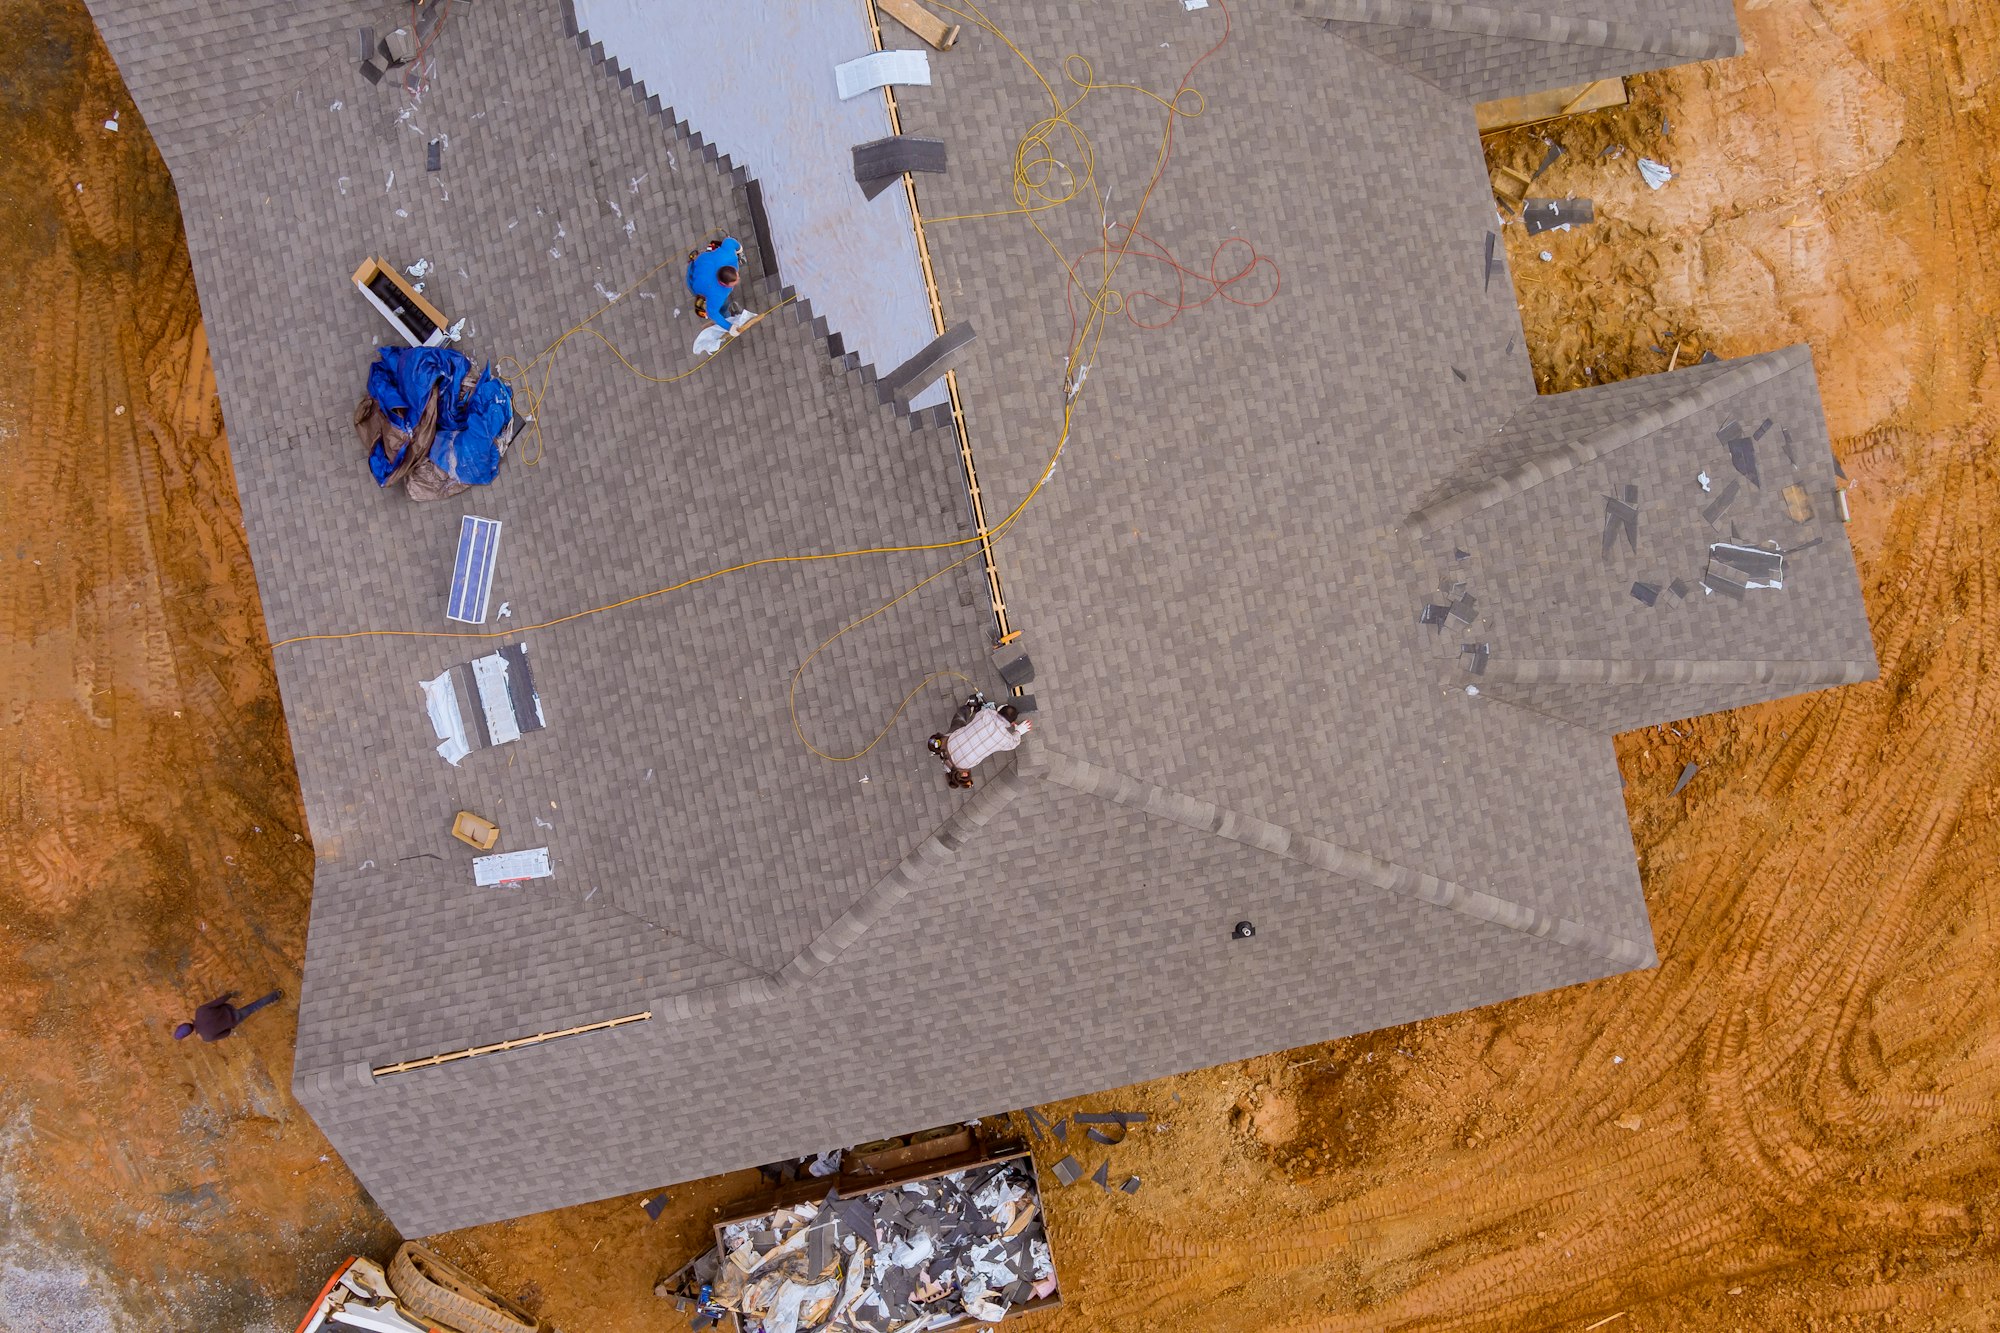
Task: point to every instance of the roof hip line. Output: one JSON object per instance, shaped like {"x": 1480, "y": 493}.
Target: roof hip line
{"x": 1479, "y": 20}
{"x": 918, "y": 869}
{"x": 1561, "y": 458}
{"x": 1121, "y": 789}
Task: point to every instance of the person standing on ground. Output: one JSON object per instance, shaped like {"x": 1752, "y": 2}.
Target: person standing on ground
{"x": 218, "y": 1018}
{"x": 712, "y": 276}
{"x": 980, "y": 731}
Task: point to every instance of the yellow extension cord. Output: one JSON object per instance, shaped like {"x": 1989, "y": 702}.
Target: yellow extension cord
{"x": 1040, "y": 181}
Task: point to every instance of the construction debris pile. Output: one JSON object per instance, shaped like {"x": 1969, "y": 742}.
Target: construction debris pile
{"x": 927, "y": 1254}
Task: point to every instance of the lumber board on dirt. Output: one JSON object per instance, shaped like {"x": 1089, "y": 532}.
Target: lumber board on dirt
{"x": 1511, "y": 112}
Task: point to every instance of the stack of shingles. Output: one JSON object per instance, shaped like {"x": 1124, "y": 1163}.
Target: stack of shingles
{"x": 922, "y": 1255}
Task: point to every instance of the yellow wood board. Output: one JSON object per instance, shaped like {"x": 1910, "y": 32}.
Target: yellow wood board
{"x": 921, "y": 21}
{"x": 1509, "y": 112}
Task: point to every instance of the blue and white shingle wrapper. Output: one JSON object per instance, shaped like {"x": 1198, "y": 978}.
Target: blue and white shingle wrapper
{"x": 467, "y": 445}
{"x": 489, "y": 701}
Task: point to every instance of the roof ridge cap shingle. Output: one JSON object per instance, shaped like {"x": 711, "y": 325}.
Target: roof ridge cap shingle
{"x": 1561, "y": 458}
{"x": 918, "y": 869}
{"x": 1363, "y": 867}
{"x": 1677, "y": 671}
{"x": 1556, "y": 29}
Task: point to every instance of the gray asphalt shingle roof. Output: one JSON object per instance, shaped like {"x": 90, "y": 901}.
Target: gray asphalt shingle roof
{"x": 1220, "y": 586}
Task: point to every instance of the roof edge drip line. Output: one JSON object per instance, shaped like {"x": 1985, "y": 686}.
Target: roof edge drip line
{"x": 1740, "y": 377}
{"x": 1674, "y": 671}
{"x": 1556, "y": 29}
{"x": 1119, "y": 789}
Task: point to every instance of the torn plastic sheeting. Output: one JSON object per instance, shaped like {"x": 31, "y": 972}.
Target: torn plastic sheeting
{"x": 441, "y": 702}
{"x": 1656, "y": 174}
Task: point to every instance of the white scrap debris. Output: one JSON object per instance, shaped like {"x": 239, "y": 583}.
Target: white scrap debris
{"x": 441, "y": 702}
{"x": 1547, "y": 257}
{"x": 389, "y": 184}
{"x": 1472, "y": 691}
{"x": 452, "y": 335}
{"x": 1656, "y": 173}
{"x": 112, "y": 124}
{"x": 506, "y": 608}
{"x": 1193, "y": 5}
{"x": 878, "y": 69}
{"x": 1704, "y": 480}
{"x": 826, "y": 1164}
{"x": 336, "y": 105}
{"x": 508, "y": 867}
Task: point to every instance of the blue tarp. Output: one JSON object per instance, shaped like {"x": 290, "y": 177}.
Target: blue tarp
{"x": 468, "y": 427}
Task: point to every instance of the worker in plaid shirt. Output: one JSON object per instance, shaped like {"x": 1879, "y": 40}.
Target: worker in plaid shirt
{"x": 982, "y": 730}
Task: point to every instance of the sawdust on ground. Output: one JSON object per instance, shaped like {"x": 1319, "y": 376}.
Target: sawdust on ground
{"x": 1787, "y": 1124}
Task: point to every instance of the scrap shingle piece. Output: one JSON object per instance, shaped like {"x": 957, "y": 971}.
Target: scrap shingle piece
{"x": 1131, "y": 1185}
{"x": 1068, "y": 1170}
{"x": 1548, "y": 214}
{"x": 1646, "y": 592}
{"x": 1713, "y": 511}
{"x": 1102, "y": 1176}
{"x": 1687, "y": 776}
{"x": 1750, "y": 566}
{"x": 1621, "y": 518}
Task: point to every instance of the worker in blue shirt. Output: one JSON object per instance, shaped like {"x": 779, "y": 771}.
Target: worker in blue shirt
{"x": 712, "y": 276}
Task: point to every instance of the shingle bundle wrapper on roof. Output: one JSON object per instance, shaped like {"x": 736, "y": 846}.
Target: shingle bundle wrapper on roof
{"x": 925, "y": 1254}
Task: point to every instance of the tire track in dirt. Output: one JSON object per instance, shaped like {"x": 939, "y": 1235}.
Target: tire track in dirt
{"x": 151, "y": 842}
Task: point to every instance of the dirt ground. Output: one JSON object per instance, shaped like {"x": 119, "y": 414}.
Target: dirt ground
{"x": 1787, "y": 1125}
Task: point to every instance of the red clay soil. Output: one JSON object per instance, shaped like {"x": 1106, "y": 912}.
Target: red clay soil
{"x": 1788, "y": 1124}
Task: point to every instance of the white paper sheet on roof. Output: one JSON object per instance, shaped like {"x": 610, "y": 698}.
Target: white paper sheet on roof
{"x": 507, "y": 867}
{"x": 489, "y": 673}
{"x": 878, "y": 69}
